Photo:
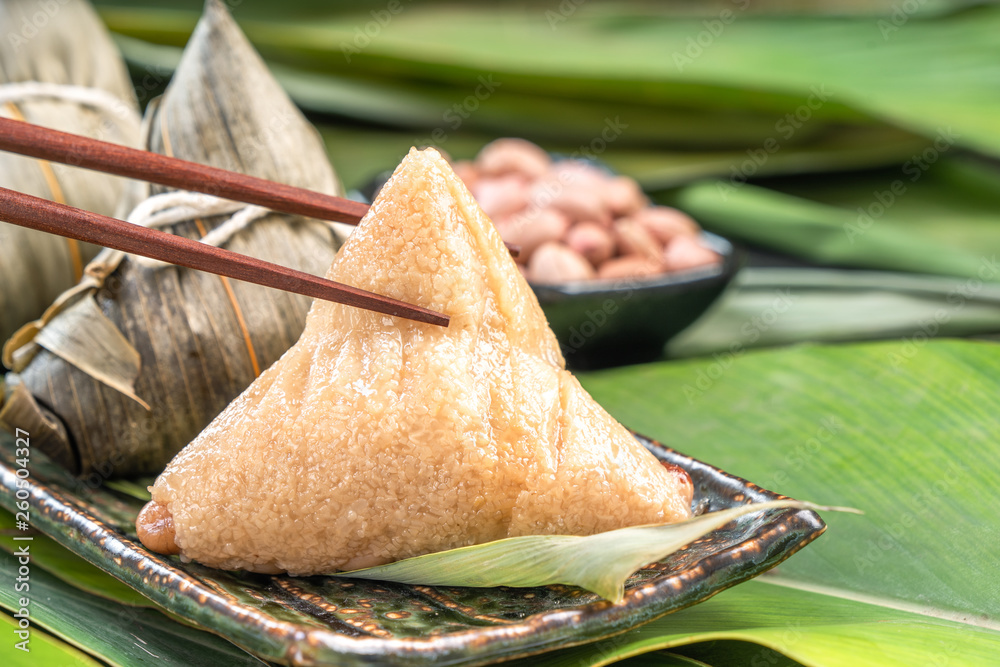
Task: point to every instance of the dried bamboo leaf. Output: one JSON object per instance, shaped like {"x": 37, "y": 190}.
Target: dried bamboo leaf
{"x": 201, "y": 339}
{"x": 83, "y": 336}
{"x": 63, "y": 44}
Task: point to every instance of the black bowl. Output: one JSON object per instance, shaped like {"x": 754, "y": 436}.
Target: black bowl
{"x": 602, "y": 323}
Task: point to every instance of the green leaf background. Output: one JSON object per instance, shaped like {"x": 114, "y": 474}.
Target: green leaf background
{"x": 905, "y": 429}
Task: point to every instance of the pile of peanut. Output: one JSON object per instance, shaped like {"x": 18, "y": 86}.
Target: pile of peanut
{"x": 575, "y": 221}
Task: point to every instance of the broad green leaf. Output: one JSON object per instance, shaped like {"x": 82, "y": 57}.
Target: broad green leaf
{"x": 664, "y": 659}
{"x": 267, "y": 9}
{"x": 599, "y": 563}
{"x": 42, "y": 648}
{"x": 916, "y": 74}
{"x": 359, "y": 153}
{"x": 70, "y": 568}
{"x": 575, "y": 121}
{"x": 137, "y": 488}
{"x": 945, "y": 222}
{"x": 117, "y": 634}
{"x": 765, "y": 307}
{"x": 906, "y": 431}
{"x": 811, "y": 629}
{"x": 728, "y": 653}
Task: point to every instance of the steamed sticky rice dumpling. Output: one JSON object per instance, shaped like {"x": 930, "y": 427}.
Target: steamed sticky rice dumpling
{"x": 137, "y": 359}
{"x": 375, "y": 438}
{"x": 60, "y": 69}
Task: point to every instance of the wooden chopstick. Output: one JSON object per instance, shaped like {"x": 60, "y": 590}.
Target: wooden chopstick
{"x": 46, "y": 144}
{"x": 46, "y": 216}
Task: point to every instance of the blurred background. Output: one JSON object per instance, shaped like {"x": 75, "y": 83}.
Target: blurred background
{"x": 848, "y": 149}
{"x": 851, "y": 147}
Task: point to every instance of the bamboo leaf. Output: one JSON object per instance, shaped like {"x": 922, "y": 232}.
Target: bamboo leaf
{"x": 201, "y": 339}
{"x": 945, "y": 222}
{"x": 829, "y": 305}
{"x": 44, "y": 649}
{"x": 360, "y": 153}
{"x": 70, "y": 568}
{"x": 812, "y": 629}
{"x": 136, "y": 488}
{"x": 599, "y": 563}
{"x": 904, "y": 430}
{"x": 83, "y": 336}
{"x": 922, "y": 76}
{"x": 70, "y": 47}
{"x": 117, "y": 634}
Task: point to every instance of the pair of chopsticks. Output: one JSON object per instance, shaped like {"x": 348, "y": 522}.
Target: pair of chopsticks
{"x": 45, "y": 144}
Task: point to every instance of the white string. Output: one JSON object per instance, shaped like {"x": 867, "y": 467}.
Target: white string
{"x": 124, "y": 115}
{"x": 160, "y": 210}
{"x": 169, "y": 208}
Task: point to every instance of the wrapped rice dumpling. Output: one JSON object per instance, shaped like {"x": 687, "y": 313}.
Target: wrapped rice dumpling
{"x": 61, "y": 72}
{"x": 140, "y": 358}
{"x": 375, "y": 439}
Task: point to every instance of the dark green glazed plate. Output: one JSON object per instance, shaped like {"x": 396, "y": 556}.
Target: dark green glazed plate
{"x": 331, "y": 621}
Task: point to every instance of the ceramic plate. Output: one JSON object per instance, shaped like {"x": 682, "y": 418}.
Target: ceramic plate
{"x": 331, "y": 621}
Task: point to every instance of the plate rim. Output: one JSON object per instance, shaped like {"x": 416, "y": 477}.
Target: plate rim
{"x": 160, "y": 580}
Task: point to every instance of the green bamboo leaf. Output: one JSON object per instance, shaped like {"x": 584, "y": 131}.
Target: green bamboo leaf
{"x": 359, "y": 153}
{"x": 944, "y": 222}
{"x": 70, "y": 568}
{"x": 773, "y": 625}
{"x": 904, "y": 430}
{"x": 729, "y": 653}
{"x": 766, "y": 307}
{"x": 915, "y": 74}
{"x": 43, "y": 649}
{"x": 117, "y": 634}
{"x": 599, "y": 563}
{"x": 137, "y": 488}
{"x": 665, "y": 659}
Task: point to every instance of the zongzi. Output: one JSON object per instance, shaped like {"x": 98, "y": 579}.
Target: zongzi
{"x": 58, "y": 68}
{"x": 375, "y": 439}
{"x": 139, "y": 358}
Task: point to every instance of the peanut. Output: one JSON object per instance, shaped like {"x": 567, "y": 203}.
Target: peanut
{"x": 666, "y": 223}
{"x": 502, "y": 196}
{"x": 532, "y": 229}
{"x": 513, "y": 156}
{"x": 553, "y": 262}
{"x": 631, "y": 266}
{"x": 634, "y": 239}
{"x": 591, "y": 240}
{"x": 685, "y": 252}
